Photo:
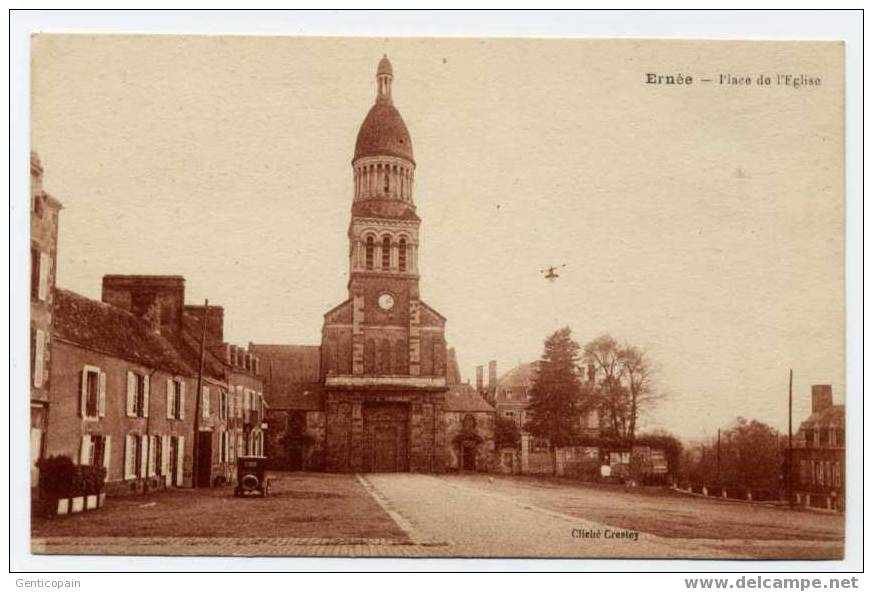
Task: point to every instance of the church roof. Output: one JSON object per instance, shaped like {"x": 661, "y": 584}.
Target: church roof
{"x": 292, "y": 375}
{"x": 383, "y": 133}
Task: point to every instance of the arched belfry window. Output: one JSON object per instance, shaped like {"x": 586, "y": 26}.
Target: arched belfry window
{"x": 369, "y": 255}
{"x": 386, "y": 252}
{"x": 401, "y": 255}
{"x": 387, "y": 179}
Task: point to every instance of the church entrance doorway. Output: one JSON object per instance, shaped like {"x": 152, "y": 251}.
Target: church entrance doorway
{"x": 386, "y": 437}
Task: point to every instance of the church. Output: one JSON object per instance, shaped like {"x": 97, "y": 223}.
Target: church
{"x": 382, "y": 391}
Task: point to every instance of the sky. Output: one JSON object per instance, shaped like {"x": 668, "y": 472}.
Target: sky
{"x": 702, "y": 223}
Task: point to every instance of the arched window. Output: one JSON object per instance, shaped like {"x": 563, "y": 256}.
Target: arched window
{"x": 370, "y": 248}
{"x": 386, "y": 252}
{"x": 402, "y": 254}
{"x": 387, "y": 179}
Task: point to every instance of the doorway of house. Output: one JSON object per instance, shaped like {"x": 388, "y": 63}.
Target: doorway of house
{"x": 468, "y": 456}
{"x": 204, "y": 459}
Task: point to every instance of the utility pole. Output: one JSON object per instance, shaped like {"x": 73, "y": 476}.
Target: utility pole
{"x": 718, "y": 459}
{"x": 790, "y": 475}
{"x": 198, "y": 399}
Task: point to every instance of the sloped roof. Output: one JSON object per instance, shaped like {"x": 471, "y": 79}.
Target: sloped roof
{"x": 292, "y": 374}
{"x": 463, "y": 397}
{"x": 833, "y": 416}
{"x": 514, "y": 385}
{"x": 110, "y": 330}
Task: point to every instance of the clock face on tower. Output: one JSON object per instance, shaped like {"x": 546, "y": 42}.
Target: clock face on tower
{"x": 386, "y": 301}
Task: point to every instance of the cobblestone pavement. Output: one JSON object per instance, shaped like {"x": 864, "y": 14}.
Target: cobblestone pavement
{"x": 446, "y": 517}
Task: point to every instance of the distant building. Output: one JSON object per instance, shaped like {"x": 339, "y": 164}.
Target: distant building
{"x": 295, "y": 416}
{"x": 511, "y": 397}
{"x": 819, "y": 453}
{"x": 44, "y": 210}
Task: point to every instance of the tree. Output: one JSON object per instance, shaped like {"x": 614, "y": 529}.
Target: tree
{"x": 506, "y": 433}
{"x": 626, "y": 383}
{"x": 553, "y": 410}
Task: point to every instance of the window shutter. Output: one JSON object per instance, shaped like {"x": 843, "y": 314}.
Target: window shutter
{"x": 101, "y": 399}
{"x": 182, "y": 399}
{"x": 85, "y": 450}
{"x": 204, "y": 404}
{"x": 143, "y": 456}
{"x": 180, "y": 462}
{"x": 44, "y": 265}
{"x": 39, "y": 359}
{"x": 128, "y": 456}
{"x": 171, "y": 395}
{"x": 107, "y": 454}
{"x": 131, "y": 394}
{"x": 153, "y": 455}
{"x": 83, "y": 399}
{"x": 147, "y": 387}
{"x": 165, "y": 458}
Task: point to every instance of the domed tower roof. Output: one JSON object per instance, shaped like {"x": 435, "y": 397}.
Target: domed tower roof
{"x": 383, "y": 132}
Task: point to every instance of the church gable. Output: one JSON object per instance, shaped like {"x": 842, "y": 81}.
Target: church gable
{"x": 430, "y": 317}
{"x": 340, "y": 314}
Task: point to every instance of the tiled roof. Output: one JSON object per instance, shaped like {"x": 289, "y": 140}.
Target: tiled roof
{"x": 833, "y": 416}
{"x": 113, "y": 331}
{"x": 463, "y": 397}
{"x": 512, "y": 386}
{"x": 292, "y": 374}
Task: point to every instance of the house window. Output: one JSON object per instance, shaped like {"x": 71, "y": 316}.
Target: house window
{"x": 401, "y": 254}
{"x": 204, "y": 403}
{"x": 386, "y": 253}
{"x": 222, "y": 404}
{"x": 34, "y": 273}
{"x": 158, "y": 444}
{"x": 97, "y": 454}
{"x": 37, "y": 357}
{"x": 369, "y": 252}
{"x": 175, "y": 398}
{"x": 91, "y": 393}
{"x": 837, "y": 475}
{"x": 133, "y": 456}
{"x": 137, "y": 394}
{"x": 810, "y": 437}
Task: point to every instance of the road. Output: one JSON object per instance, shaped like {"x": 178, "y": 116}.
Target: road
{"x": 497, "y": 517}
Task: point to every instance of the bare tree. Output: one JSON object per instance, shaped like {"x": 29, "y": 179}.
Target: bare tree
{"x": 626, "y": 382}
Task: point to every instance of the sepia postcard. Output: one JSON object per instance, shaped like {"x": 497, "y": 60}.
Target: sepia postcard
{"x": 437, "y": 297}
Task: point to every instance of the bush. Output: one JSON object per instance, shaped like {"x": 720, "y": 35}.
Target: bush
{"x": 56, "y": 476}
{"x": 59, "y": 477}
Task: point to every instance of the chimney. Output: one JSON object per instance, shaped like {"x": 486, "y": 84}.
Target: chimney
{"x": 480, "y": 386}
{"x": 492, "y": 374}
{"x": 158, "y": 299}
{"x": 214, "y": 322}
{"x": 822, "y": 397}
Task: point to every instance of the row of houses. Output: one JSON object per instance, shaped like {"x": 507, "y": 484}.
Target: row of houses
{"x": 117, "y": 382}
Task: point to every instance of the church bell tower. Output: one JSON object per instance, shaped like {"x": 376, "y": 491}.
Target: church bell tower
{"x": 383, "y": 350}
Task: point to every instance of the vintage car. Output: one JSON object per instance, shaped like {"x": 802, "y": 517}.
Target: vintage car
{"x": 251, "y": 476}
